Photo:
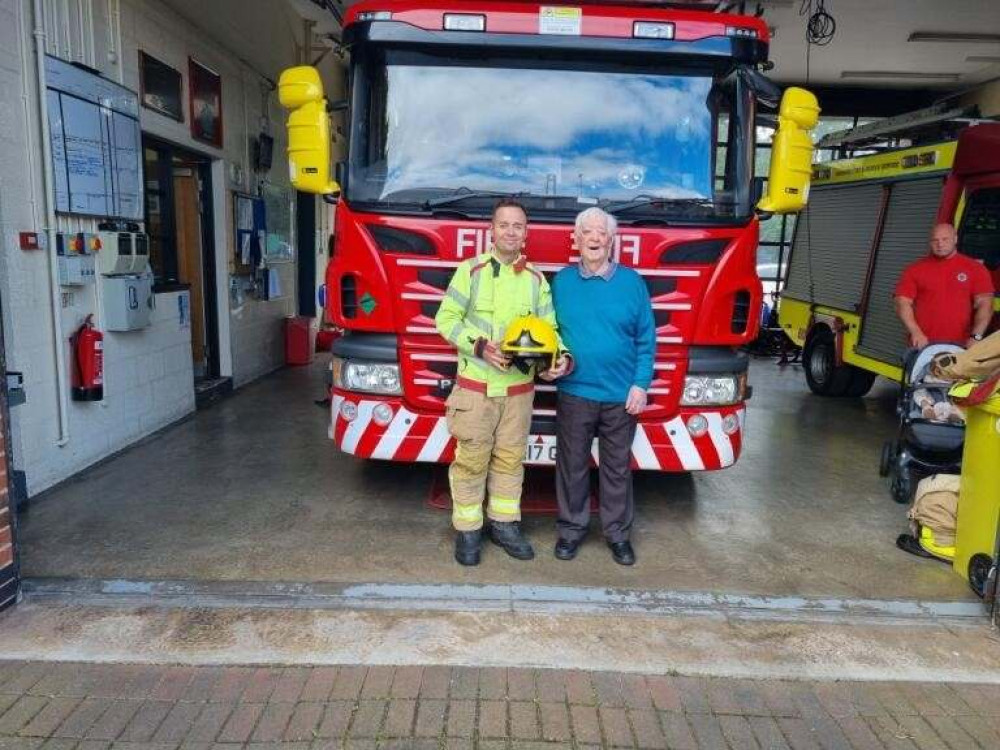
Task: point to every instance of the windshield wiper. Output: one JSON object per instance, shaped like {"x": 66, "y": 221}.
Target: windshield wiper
{"x": 645, "y": 201}
{"x": 462, "y": 194}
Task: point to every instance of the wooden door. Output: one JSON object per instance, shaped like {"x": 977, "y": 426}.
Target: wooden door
{"x": 189, "y": 260}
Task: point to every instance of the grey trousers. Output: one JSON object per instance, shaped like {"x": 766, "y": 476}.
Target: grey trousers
{"x": 578, "y": 422}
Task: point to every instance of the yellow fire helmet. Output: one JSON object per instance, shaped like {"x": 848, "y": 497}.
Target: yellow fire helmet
{"x": 530, "y": 339}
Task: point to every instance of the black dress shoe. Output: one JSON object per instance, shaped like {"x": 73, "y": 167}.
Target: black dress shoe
{"x": 468, "y": 545}
{"x": 508, "y": 535}
{"x": 622, "y": 552}
{"x": 566, "y": 549}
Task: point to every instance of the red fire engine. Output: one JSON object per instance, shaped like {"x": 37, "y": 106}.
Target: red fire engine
{"x": 646, "y": 110}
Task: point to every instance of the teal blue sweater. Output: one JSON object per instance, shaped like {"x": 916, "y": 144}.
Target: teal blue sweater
{"x": 608, "y": 328}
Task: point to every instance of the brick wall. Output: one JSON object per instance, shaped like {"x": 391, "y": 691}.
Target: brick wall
{"x": 8, "y": 570}
{"x": 6, "y": 547}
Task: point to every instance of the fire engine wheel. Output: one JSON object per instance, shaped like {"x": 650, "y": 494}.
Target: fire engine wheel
{"x": 819, "y": 359}
{"x": 861, "y": 382}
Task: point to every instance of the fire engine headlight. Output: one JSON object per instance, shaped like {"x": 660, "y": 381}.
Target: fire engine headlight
{"x": 348, "y": 411}
{"x": 697, "y": 425}
{"x": 730, "y": 424}
{"x": 382, "y": 414}
{"x": 711, "y": 390}
{"x": 369, "y": 377}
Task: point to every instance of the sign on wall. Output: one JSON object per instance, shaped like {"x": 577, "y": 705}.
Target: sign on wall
{"x": 96, "y": 143}
{"x": 160, "y": 87}
{"x": 205, "y": 89}
{"x": 280, "y": 244}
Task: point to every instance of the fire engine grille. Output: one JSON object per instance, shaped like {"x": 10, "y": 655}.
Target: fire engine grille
{"x": 741, "y": 312}
{"x": 700, "y": 251}
{"x": 394, "y": 240}
{"x": 437, "y": 278}
{"x": 348, "y": 296}
{"x": 659, "y": 285}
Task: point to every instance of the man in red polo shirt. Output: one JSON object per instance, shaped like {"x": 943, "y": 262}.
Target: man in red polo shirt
{"x": 945, "y": 297}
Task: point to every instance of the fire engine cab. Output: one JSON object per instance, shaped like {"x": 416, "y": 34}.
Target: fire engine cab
{"x": 647, "y": 110}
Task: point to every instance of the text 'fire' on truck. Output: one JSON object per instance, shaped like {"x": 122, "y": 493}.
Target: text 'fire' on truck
{"x": 868, "y": 218}
{"x": 645, "y": 110}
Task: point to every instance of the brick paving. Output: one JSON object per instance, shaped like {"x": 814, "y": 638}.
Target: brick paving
{"x": 66, "y": 706}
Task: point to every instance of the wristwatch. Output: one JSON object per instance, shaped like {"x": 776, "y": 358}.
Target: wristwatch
{"x": 977, "y": 337}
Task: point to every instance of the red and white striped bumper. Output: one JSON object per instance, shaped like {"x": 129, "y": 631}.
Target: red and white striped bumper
{"x": 397, "y": 434}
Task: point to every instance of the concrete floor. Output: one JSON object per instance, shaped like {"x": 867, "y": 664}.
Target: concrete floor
{"x": 251, "y": 489}
{"x": 804, "y": 647}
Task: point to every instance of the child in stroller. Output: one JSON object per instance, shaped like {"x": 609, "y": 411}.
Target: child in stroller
{"x": 931, "y": 428}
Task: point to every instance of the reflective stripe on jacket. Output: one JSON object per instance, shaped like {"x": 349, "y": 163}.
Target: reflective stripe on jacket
{"x": 484, "y": 296}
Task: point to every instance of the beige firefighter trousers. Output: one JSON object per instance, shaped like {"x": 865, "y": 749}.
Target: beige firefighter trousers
{"x": 491, "y": 434}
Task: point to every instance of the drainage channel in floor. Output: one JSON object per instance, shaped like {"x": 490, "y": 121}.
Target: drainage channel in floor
{"x": 507, "y": 598}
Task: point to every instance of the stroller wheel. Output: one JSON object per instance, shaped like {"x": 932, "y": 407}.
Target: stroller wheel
{"x": 888, "y": 456}
{"x": 979, "y": 573}
{"x": 902, "y": 486}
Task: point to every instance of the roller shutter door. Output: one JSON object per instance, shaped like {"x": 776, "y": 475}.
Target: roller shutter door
{"x": 908, "y": 221}
{"x": 843, "y": 221}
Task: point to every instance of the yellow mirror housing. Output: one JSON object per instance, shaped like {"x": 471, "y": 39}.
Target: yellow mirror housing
{"x": 301, "y": 91}
{"x": 791, "y": 153}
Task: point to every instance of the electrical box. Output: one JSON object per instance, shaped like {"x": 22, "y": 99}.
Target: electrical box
{"x": 124, "y": 252}
{"x": 76, "y": 259}
{"x": 76, "y": 270}
{"x": 140, "y": 253}
{"x": 128, "y": 302}
{"x": 77, "y": 243}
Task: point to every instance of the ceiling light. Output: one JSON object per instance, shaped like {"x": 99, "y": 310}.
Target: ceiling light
{"x": 900, "y": 75}
{"x": 944, "y": 36}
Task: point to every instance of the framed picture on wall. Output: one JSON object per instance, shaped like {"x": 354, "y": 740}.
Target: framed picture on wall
{"x": 205, "y": 91}
{"x": 160, "y": 87}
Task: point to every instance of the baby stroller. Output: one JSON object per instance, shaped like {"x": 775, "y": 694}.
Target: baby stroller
{"x": 931, "y": 428}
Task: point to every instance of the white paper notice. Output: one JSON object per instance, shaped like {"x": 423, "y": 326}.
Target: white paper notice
{"x": 273, "y": 283}
{"x": 559, "y": 20}
{"x": 245, "y": 249}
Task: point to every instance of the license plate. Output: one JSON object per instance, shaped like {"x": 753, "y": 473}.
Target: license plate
{"x": 540, "y": 453}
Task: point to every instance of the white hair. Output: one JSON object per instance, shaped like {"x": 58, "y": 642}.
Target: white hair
{"x": 610, "y": 222}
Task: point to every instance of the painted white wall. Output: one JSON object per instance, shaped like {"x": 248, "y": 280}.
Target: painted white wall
{"x": 149, "y": 377}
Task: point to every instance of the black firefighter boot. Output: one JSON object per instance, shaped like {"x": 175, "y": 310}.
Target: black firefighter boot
{"x": 468, "y": 545}
{"x": 508, "y": 535}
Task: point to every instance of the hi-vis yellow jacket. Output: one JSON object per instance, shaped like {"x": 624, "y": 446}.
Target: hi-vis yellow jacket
{"x": 483, "y": 298}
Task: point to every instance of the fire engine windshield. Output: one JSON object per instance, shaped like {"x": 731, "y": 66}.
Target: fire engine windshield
{"x": 431, "y": 132}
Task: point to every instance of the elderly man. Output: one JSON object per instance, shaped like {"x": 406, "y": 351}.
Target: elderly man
{"x": 606, "y": 320}
{"x": 945, "y": 297}
{"x": 489, "y": 409}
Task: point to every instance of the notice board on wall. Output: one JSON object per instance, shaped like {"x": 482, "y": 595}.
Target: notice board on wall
{"x": 250, "y": 232}
{"x": 280, "y": 245}
{"x": 96, "y": 143}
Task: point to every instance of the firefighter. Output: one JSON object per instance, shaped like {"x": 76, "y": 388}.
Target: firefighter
{"x": 945, "y": 297}
{"x": 489, "y": 409}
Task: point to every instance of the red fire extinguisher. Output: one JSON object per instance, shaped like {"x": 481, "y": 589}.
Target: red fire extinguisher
{"x": 88, "y": 362}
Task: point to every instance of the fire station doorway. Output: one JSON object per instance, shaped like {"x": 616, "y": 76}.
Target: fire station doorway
{"x": 305, "y": 233}
{"x": 179, "y": 220}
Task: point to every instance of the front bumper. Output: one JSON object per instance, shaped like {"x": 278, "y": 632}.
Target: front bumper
{"x": 410, "y": 436}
